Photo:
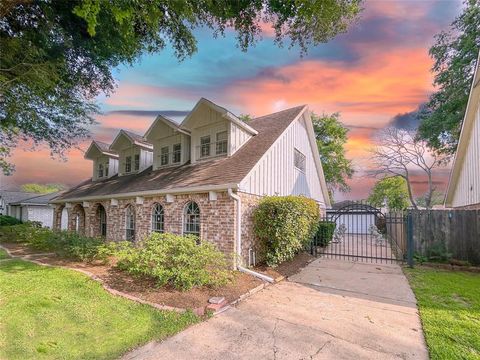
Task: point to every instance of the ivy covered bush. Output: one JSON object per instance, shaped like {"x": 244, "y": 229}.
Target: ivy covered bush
{"x": 285, "y": 225}
{"x": 174, "y": 260}
{"x": 6, "y": 220}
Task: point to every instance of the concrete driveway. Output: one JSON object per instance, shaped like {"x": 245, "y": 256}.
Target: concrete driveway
{"x": 330, "y": 310}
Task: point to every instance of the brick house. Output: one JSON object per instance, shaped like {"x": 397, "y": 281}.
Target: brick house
{"x": 202, "y": 177}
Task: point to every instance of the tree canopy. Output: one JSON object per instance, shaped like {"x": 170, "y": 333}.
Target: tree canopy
{"x": 391, "y": 192}
{"x": 42, "y": 188}
{"x": 331, "y": 137}
{"x": 454, "y": 54}
{"x": 57, "y": 56}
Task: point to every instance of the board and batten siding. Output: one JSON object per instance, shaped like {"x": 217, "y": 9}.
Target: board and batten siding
{"x": 467, "y": 191}
{"x": 237, "y": 138}
{"x": 276, "y": 174}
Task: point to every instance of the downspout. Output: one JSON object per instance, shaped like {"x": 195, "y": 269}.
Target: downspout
{"x": 238, "y": 236}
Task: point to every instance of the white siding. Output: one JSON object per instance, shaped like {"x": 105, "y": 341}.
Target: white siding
{"x": 275, "y": 173}
{"x": 238, "y": 137}
{"x": 146, "y": 158}
{"x": 112, "y": 166}
{"x": 169, "y": 141}
{"x": 467, "y": 191}
{"x": 211, "y": 129}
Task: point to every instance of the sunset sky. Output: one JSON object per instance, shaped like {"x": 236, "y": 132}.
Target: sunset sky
{"x": 373, "y": 75}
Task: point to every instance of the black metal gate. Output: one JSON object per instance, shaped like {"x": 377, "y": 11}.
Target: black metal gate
{"x": 360, "y": 232}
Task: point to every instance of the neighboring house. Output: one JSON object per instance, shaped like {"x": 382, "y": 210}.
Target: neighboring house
{"x": 464, "y": 184}
{"x": 7, "y": 197}
{"x": 202, "y": 177}
{"x": 355, "y": 215}
{"x": 36, "y": 208}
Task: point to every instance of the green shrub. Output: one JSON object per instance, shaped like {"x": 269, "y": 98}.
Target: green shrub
{"x": 285, "y": 225}
{"x": 324, "y": 234}
{"x": 6, "y": 220}
{"x": 174, "y": 260}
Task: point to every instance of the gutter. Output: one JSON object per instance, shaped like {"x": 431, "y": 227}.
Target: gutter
{"x": 238, "y": 236}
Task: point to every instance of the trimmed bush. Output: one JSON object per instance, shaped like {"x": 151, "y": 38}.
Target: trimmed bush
{"x": 6, "y": 220}
{"x": 324, "y": 234}
{"x": 285, "y": 225}
{"x": 174, "y": 260}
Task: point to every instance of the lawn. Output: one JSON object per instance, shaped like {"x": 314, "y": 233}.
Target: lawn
{"x": 54, "y": 313}
{"x": 449, "y": 304}
{"x": 3, "y": 254}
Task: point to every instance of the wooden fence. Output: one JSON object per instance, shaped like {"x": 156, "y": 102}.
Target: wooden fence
{"x": 454, "y": 232}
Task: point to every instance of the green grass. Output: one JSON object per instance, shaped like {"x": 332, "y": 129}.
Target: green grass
{"x": 3, "y": 254}
{"x": 54, "y": 313}
{"x": 449, "y": 304}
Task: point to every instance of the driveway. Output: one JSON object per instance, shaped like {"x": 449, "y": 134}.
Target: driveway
{"x": 330, "y": 310}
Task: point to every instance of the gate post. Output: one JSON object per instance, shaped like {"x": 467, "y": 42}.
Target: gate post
{"x": 410, "y": 260}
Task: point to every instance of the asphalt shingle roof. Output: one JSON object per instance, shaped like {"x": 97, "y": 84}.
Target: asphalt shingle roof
{"x": 229, "y": 170}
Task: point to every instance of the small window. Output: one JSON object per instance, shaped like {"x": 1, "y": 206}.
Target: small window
{"x": 299, "y": 160}
{"x": 130, "y": 223}
{"x": 128, "y": 164}
{"x": 205, "y": 146}
{"x": 221, "y": 145}
{"x": 106, "y": 169}
{"x": 100, "y": 170}
{"x": 137, "y": 162}
{"x": 164, "y": 155}
{"x": 177, "y": 153}
{"x": 157, "y": 218}
{"x": 191, "y": 219}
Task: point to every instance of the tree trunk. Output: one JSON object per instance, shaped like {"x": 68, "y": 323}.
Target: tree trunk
{"x": 410, "y": 192}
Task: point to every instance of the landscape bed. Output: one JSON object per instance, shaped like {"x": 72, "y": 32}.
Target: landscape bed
{"x": 55, "y": 313}
{"x": 449, "y": 306}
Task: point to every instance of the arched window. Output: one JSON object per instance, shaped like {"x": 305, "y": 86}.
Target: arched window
{"x": 102, "y": 217}
{"x": 191, "y": 219}
{"x": 157, "y": 218}
{"x": 130, "y": 223}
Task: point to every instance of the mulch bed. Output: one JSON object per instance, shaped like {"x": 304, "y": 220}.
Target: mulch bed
{"x": 287, "y": 268}
{"x": 143, "y": 288}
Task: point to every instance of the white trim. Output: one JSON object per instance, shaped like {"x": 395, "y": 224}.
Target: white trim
{"x": 212, "y": 196}
{"x": 106, "y": 153}
{"x": 167, "y": 192}
{"x": 168, "y": 122}
{"x": 135, "y": 142}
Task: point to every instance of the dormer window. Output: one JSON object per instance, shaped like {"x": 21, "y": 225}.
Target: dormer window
{"x": 128, "y": 164}
{"x": 177, "y": 153}
{"x": 164, "y": 155}
{"x": 205, "y": 146}
{"x": 221, "y": 144}
{"x": 137, "y": 162}
{"x": 100, "y": 170}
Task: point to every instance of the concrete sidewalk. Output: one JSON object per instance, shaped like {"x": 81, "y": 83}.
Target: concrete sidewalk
{"x": 330, "y": 310}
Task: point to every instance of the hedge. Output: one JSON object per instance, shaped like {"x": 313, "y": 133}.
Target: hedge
{"x": 6, "y": 220}
{"x": 285, "y": 225}
{"x": 324, "y": 234}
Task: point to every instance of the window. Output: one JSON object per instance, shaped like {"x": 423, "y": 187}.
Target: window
{"x": 100, "y": 170}
{"x": 191, "y": 219}
{"x": 128, "y": 164}
{"x": 177, "y": 153}
{"x": 205, "y": 146}
{"x": 299, "y": 160}
{"x": 106, "y": 169}
{"x": 102, "y": 216}
{"x": 221, "y": 146}
{"x": 137, "y": 162}
{"x": 157, "y": 218}
{"x": 130, "y": 223}
{"x": 164, "y": 155}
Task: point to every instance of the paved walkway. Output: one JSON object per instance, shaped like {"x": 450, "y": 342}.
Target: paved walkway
{"x": 330, "y": 310}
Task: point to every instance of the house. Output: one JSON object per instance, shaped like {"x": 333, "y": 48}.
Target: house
{"x": 30, "y": 207}
{"x": 7, "y": 197}
{"x": 356, "y": 216}
{"x": 464, "y": 184}
{"x": 202, "y": 177}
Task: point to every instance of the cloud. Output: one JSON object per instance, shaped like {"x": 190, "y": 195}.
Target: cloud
{"x": 150, "y": 113}
{"x": 406, "y": 121}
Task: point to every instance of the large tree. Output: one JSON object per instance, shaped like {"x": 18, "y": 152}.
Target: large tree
{"x": 391, "y": 192}
{"x": 57, "y": 56}
{"x": 401, "y": 153}
{"x": 455, "y": 55}
{"x": 331, "y": 137}
{"x": 42, "y": 188}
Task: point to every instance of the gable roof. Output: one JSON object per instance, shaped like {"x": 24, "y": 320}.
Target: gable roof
{"x": 168, "y": 122}
{"x": 133, "y": 138}
{"x": 38, "y": 199}
{"x": 468, "y": 121}
{"x": 14, "y": 196}
{"x": 225, "y": 114}
{"x": 102, "y": 147}
{"x": 218, "y": 173}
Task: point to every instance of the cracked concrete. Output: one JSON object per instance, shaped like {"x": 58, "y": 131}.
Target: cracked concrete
{"x": 330, "y": 310}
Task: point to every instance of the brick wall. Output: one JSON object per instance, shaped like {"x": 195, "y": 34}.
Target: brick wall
{"x": 249, "y": 240}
